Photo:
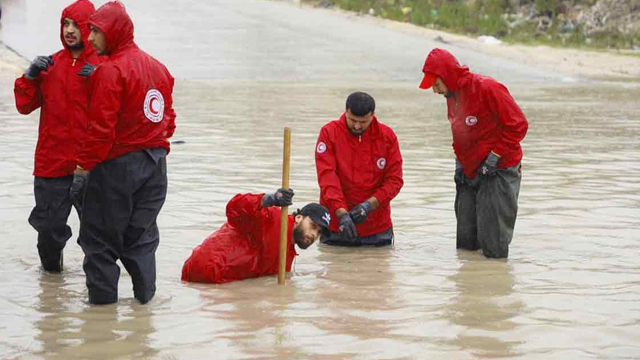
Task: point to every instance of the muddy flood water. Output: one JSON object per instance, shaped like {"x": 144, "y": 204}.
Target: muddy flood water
{"x": 245, "y": 69}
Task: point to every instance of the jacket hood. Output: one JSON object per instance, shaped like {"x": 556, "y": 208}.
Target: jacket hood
{"x": 443, "y": 64}
{"x": 79, "y": 11}
{"x": 112, "y": 19}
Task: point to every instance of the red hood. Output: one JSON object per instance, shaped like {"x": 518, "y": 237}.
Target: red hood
{"x": 112, "y": 19}
{"x": 79, "y": 12}
{"x": 447, "y": 68}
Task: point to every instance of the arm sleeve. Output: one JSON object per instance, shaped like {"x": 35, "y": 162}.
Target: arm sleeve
{"x": 326, "y": 167}
{"x": 513, "y": 124}
{"x": 28, "y": 95}
{"x": 244, "y": 213}
{"x": 106, "y": 86}
{"x": 171, "y": 114}
{"x": 392, "y": 182}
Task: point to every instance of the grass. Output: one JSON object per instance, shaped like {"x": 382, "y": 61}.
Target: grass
{"x": 487, "y": 17}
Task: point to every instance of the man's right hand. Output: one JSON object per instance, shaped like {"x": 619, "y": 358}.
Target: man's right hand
{"x": 347, "y": 227}
{"x": 40, "y": 63}
{"x": 87, "y": 70}
{"x": 282, "y": 197}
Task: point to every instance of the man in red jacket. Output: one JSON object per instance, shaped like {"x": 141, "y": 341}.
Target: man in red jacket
{"x": 248, "y": 244}
{"x": 487, "y": 127}
{"x": 130, "y": 119}
{"x": 359, "y": 169}
{"x": 51, "y": 83}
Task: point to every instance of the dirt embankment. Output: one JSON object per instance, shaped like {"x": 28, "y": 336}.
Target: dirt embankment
{"x": 618, "y": 64}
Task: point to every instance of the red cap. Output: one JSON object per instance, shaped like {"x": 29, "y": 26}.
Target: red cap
{"x": 428, "y": 80}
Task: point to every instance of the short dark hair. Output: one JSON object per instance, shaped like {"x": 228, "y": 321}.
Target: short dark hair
{"x": 360, "y": 103}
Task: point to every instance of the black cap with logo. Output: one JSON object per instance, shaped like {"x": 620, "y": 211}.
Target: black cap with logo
{"x": 319, "y": 214}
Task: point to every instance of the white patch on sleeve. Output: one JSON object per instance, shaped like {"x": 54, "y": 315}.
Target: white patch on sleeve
{"x": 154, "y": 106}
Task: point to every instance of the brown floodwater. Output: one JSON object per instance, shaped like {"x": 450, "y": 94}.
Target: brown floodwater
{"x": 245, "y": 69}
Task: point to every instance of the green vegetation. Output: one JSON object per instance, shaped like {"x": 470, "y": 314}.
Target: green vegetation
{"x": 531, "y": 22}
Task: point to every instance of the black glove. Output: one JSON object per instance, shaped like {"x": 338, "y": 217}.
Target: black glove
{"x": 87, "y": 70}
{"x": 282, "y": 197}
{"x": 77, "y": 187}
{"x": 489, "y": 166}
{"x": 347, "y": 227}
{"x": 40, "y": 63}
{"x": 459, "y": 175}
{"x": 360, "y": 212}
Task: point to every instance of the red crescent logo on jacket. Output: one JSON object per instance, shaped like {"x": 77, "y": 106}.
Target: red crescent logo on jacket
{"x": 471, "y": 120}
{"x": 322, "y": 147}
{"x": 154, "y": 106}
{"x": 381, "y": 163}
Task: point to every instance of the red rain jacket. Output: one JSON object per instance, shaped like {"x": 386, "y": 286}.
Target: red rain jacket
{"x": 246, "y": 246}
{"x": 351, "y": 169}
{"x": 131, "y": 105}
{"x": 62, "y": 96}
{"x": 483, "y": 115}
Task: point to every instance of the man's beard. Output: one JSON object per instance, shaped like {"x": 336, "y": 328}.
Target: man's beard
{"x": 298, "y": 237}
{"x": 448, "y": 95}
{"x": 78, "y": 46}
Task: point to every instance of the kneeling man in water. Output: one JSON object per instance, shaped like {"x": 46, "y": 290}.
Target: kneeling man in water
{"x": 247, "y": 245}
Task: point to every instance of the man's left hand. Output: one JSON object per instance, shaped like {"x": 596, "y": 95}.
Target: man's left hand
{"x": 360, "y": 212}
{"x": 79, "y": 183}
{"x": 489, "y": 166}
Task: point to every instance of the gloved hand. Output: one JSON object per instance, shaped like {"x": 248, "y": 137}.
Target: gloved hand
{"x": 489, "y": 166}
{"x": 347, "y": 227}
{"x": 282, "y": 197}
{"x": 40, "y": 63}
{"x": 87, "y": 70}
{"x": 459, "y": 175}
{"x": 77, "y": 187}
{"x": 360, "y": 212}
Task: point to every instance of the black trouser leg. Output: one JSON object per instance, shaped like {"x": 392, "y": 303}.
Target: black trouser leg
{"x": 465, "y": 208}
{"x": 142, "y": 236}
{"x": 122, "y": 201}
{"x": 497, "y": 208}
{"x": 49, "y": 218}
{"x": 382, "y": 238}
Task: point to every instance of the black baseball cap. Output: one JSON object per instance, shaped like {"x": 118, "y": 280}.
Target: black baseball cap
{"x": 319, "y": 214}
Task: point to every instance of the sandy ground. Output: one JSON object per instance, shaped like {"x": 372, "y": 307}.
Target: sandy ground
{"x": 582, "y": 63}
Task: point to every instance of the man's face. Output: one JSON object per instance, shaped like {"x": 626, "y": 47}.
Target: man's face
{"x": 305, "y": 231}
{"x": 71, "y": 34}
{"x": 358, "y": 124}
{"x": 97, "y": 40}
{"x": 440, "y": 88}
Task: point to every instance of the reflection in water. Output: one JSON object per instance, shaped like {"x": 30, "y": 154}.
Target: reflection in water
{"x": 358, "y": 288}
{"x": 484, "y": 306}
{"x": 72, "y": 329}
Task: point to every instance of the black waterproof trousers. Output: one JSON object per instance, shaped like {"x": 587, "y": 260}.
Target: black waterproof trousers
{"x": 380, "y": 239}
{"x": 122, "y": 201}
{"x": 49, "y": 218}
{"x": 486, "y": 210}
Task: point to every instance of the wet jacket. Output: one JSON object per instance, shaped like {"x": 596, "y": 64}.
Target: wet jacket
{"x": 483, "y": 115}
{"x": 131, "y": 105}
{"x": 246, "y": 246}
{"x": 62, "y": 97}
{"x": 352, "y": 168}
